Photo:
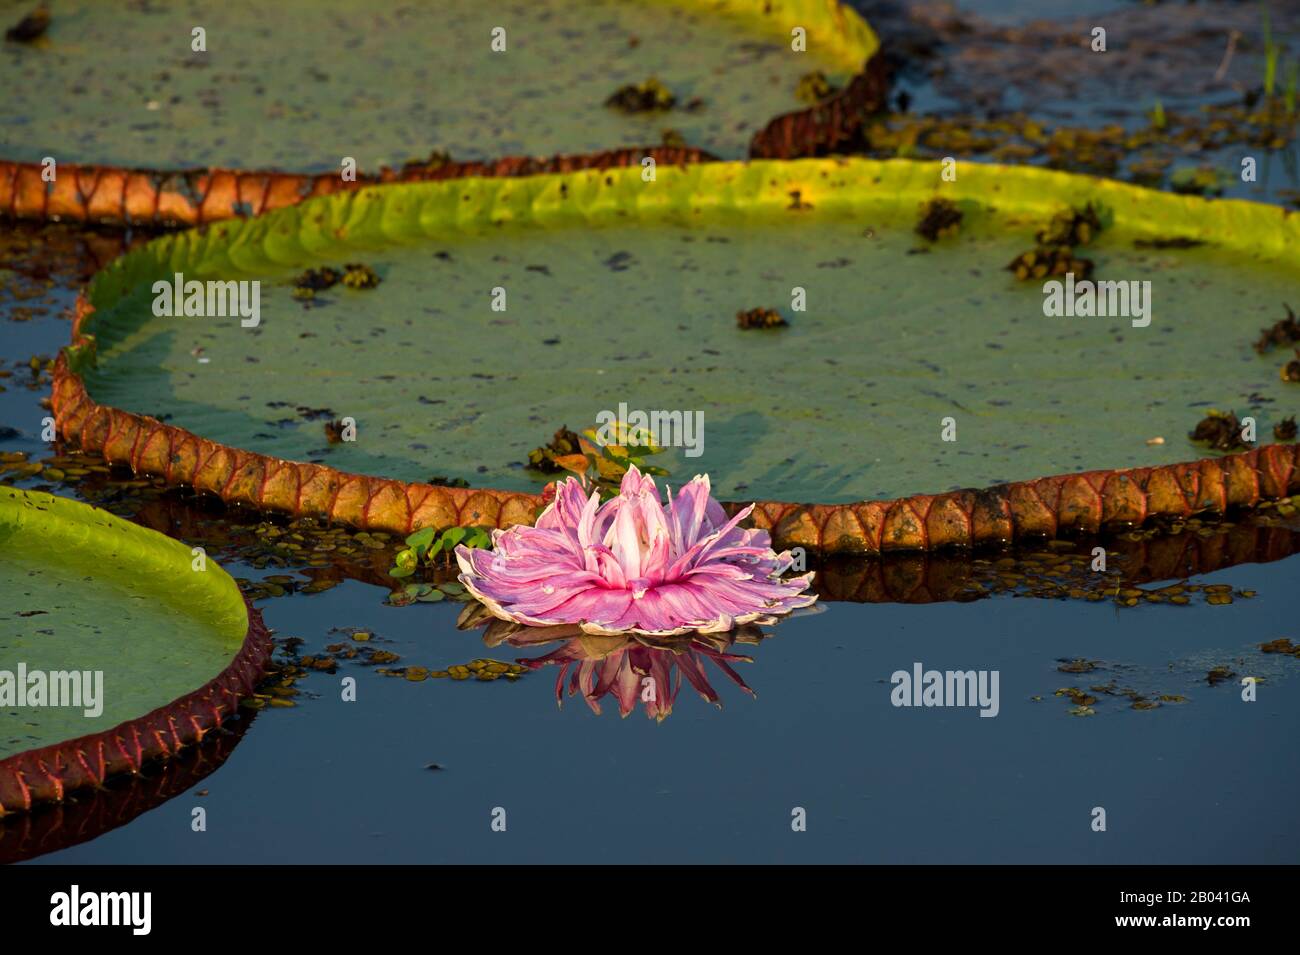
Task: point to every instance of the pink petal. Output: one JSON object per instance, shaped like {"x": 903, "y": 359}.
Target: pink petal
{"x": 630, "y": 565}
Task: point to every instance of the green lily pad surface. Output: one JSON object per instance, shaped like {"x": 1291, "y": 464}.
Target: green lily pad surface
{"x": 88, "y": 592}
{"x": 300, "y": 84}
{"x": 620, "y": 291}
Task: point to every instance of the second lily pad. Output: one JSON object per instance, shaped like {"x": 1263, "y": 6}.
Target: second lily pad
{"x": 386, "y": 82}
{"x": 637, "y": 308}
{"x": 104, "y": 623}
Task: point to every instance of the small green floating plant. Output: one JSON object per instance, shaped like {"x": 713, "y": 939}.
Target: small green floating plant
{"x": 427, "y": 546}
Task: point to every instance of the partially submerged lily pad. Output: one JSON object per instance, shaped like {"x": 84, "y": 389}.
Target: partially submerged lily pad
{"x": 849, "y": 403}
{"x": 124, "y": 609}
{"x": 389, "y": 81}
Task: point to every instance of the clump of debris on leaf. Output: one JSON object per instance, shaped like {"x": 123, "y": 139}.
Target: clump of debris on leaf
{"x": 334, "y": 431}
{"x": 1072, "y": 227}
{"x": 359, "y": 276}
{"x": 1221, "y": 430}
{"x": 312, "y": 281}
{"x": 760, "y": 318}
{"x": 1054, "y": 254}
{"x": 650, "y": 96}
{"x": 1291, "y": 370}
{"x": 1047, "y": 261}
{"x": 564, "y": 443}
{"x": 355, "y": 275}
{"x": 1285, "y": 331}
{"x": 940, "y": 219}
{"x": 31, "y": 27}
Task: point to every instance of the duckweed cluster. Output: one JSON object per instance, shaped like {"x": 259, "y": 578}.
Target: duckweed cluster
{"x": 1054, "y": 254}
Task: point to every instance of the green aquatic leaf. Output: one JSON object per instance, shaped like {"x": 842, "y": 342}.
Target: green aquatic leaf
{"x": 89, "y": 592}
{"x": 407, "y": 562}
{"x": 421, "y": 540}
{"x": 122, "y": 86}
{"x": 848, "y": 404}
{"x": 453, "y": 536}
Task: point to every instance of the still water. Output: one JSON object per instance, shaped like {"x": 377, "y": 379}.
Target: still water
{"x": 1203, "y": 781}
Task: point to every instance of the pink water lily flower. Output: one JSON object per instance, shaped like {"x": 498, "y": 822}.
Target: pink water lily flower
{"x": 631, "y": 565}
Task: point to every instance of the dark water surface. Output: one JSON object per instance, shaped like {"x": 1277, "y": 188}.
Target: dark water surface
{"x": 1209, "y": 780}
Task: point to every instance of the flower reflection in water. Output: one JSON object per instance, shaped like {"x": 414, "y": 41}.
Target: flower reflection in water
{"x": 627, "y": 667}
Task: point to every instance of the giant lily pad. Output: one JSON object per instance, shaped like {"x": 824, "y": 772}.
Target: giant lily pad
{"x": 162, "y": 650}
{"x": 625, "y": 291}
{"x": 388, "y": 81}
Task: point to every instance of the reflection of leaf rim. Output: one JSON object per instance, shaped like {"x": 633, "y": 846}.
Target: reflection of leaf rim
{"x": 760, "y": 188}
{"x": 48, "y": 773}
{"x": 29, "y": 835}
